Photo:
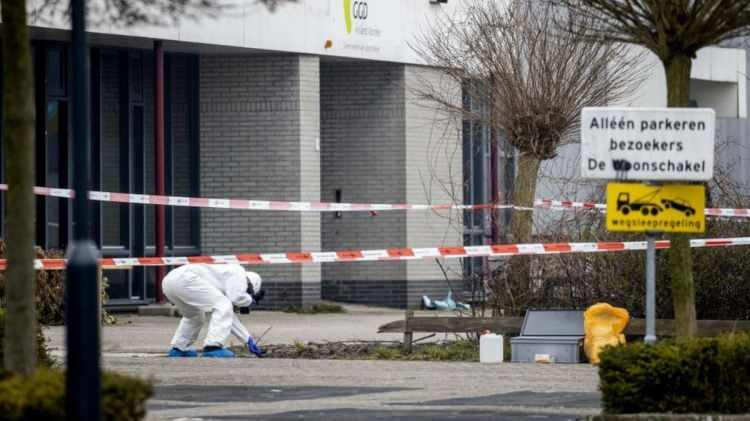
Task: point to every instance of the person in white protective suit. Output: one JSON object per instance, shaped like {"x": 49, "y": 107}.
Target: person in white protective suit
{"x": 198, "y": 289}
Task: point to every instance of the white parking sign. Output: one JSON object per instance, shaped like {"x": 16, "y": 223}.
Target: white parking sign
{"x": 647, "y": 143}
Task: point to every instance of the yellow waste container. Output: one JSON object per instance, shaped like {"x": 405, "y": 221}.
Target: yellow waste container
{"x": 603, "y": 325}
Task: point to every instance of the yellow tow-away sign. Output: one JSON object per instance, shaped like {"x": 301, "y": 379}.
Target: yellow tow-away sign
{"x": 635, "y": 207}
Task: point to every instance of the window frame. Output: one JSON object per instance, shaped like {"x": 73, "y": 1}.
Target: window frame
{"x": 193, "y": 133}
{"x": 43, "y": 95}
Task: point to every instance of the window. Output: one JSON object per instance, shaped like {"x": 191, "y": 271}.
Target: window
{"x": 477, "y": 144}
{"x": 476, "y": 155}
{"x": 113, "y": 168}
{"x": 182, "y": 151}
{"x": 52, "y": 146}
{"x": 56, "y": 70}
{"x": 55, "y": 171}
{"x": 123, "y": 147}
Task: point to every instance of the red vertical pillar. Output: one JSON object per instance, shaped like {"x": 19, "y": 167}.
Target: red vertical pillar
{"x": 159, "y": 163}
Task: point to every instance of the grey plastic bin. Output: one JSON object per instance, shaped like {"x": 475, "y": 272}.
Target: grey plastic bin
{"x": 558, "y": 333}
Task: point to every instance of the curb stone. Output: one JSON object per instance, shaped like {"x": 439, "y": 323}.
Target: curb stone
{"x": 669, "y": 417}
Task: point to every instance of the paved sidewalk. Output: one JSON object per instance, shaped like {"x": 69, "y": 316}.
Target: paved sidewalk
{"x": 152, "y": 334}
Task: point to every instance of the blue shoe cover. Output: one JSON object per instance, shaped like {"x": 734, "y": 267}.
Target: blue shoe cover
{"x": 175, "y": 352}
{"x": 219, "y": 353}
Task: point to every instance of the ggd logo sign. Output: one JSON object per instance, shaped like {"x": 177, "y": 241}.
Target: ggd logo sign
{"x": 358, "y": 10}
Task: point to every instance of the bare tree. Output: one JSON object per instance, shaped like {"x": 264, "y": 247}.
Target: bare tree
{"x": 156, "y": 12}
{"x": 533, "y": 80}
{"x": 674, "y": 30}
{"x": 18, "y": 139}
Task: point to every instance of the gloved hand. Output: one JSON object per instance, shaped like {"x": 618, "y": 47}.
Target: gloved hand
{"x": 259, "y": 295}
{"x": 256, "y": 295}
{"x": 254, "y": 348}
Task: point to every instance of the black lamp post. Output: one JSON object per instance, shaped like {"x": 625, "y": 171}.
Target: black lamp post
{"x": 82, "y": 381}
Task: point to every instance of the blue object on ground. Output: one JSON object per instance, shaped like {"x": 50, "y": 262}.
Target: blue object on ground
{"x": 449, "y": 304}
{"x": 176, "y": 352}
{"x": 254, "y": 348}
{"x": 219, "y": 353}
{"x": 427, "y": 303}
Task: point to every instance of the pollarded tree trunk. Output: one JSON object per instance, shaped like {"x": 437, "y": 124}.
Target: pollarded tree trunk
{"x": 18, "y": 137}
{"x": 680, "y": 258}
{"x": 524, "y": 190}
{"x": 521, "y": 228}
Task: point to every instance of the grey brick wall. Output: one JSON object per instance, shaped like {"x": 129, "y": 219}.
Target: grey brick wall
{"x": 261, "y": 118}
{"x": 387, "y": 293}
{"x": 257, "y": 123}
{"x": 380, "y": 144}
{"x": 362, "y": 147}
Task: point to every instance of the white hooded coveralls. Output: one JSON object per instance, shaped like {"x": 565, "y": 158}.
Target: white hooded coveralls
{"x": 197, "y": 289}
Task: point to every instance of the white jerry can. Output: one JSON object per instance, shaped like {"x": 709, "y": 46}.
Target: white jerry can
{"x": 491, "y": 348}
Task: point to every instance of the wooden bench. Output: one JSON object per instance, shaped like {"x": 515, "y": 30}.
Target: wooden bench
{"x": 512, "y": 326}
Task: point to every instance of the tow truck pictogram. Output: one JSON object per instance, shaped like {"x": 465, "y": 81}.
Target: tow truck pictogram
{"x": 642, "y": 204}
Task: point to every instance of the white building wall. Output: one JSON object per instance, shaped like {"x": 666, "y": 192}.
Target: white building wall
{"x": 718, "y": 81}
{"x": 380, "y": 29}
{"x": 309, "y": 147}
{"x": 433, "y": 175}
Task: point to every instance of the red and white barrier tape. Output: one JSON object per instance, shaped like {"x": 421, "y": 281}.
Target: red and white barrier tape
{"x": 567, "y": 204}
{"x": 266, "y": 205}
{"x": 393, "y": 254}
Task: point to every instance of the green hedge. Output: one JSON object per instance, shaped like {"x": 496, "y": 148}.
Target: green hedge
{"x": 700, "y": 375}
{"x": 42, "y": 397}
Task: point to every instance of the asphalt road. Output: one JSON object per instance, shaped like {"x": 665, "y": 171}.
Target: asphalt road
{"x": 271, "y": 389}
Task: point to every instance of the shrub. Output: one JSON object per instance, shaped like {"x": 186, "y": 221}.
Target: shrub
{"x": 458, "y": 350}
{"x": 698, "y": 375}
{"x": 580, "y": 280}
{"x": 42, "y": 355}
{"x": 42, "y": 396}
{"x": 124, "y": 397}
{"x": 49, "y": 291}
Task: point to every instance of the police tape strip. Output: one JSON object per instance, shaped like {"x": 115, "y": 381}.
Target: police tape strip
{"x": 266, "y": 205}
{"x": 399, "y": 254}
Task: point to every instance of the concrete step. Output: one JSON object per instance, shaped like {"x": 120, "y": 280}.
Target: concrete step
{"x": 158, "y": 310}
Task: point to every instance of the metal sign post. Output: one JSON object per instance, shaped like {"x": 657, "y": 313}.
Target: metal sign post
{"x": 654, "y": 208}
{"x": 650, "y": 288}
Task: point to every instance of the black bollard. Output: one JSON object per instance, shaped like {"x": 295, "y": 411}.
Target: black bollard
{"x": 82, "y": 380}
